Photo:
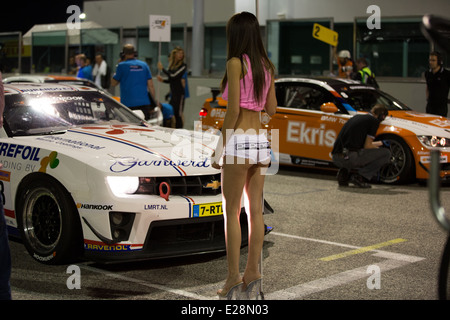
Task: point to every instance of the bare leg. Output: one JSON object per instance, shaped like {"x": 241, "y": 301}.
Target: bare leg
{"x": 233, "y": 181}
{"x": 253, "y": 201}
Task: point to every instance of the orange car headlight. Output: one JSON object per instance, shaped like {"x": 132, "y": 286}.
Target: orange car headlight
{"x": 434, "y": 141}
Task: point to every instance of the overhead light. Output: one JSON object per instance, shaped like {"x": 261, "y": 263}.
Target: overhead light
{"x": 83, "y": 16}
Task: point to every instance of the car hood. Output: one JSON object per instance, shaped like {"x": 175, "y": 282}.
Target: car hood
{"x": 419, "y": 123}
{"x": 135, "y": 150}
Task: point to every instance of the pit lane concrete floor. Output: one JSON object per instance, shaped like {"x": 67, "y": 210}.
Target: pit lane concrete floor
{"x": 328, "y": 243}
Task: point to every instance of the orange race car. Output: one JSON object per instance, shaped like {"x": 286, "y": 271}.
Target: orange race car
{"x": 312, "y": 111}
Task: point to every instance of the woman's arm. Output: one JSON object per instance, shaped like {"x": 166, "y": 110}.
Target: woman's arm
{"x": 271, "y": 101}
{"x": 233, "y": 108}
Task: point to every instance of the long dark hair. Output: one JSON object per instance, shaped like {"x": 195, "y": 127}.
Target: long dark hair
{"x": 244, "y": 37}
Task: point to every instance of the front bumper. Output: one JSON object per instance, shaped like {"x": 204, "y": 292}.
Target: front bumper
{"x": 168, "y": 238}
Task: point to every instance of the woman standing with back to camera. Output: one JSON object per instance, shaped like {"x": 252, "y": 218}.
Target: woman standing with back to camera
{"x": 248, "y": 85}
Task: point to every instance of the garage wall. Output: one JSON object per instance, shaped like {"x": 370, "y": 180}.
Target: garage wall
{"x": 133, "y": 13}
{"x": 409, "y": 92}
{"x": 346, "y": 10}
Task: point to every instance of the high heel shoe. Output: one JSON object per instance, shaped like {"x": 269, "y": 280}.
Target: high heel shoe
{"x": 253, "y": 290}
{"x": 232, "y": 294}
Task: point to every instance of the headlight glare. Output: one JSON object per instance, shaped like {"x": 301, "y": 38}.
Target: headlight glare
{"x": 123, "y": 185}
{"x": 434, "y": 141}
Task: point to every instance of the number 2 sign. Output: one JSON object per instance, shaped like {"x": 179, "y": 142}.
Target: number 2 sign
{"x": 324, "y": 34}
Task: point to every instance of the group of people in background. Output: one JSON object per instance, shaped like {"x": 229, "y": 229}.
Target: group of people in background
{"x": 355, "y": 70}
{"x": 137, "y": 90}
{"x": 437, "y": 78}
{"x": 81, "y": 66}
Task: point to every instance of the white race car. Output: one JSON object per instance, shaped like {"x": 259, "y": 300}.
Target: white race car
{"x": 84, "y": 176}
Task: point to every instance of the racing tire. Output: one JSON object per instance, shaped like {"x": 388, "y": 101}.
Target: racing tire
{"x": 48, "y": 221}
{"x": 400, "y": 168}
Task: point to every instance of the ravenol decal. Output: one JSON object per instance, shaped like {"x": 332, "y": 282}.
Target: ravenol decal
{"x": 104, "y": 247}
{"x": 100, "y": 246}
{"x": 51, "y": 161}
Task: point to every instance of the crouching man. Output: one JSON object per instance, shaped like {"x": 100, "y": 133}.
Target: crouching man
{"x": 355, "y": 152}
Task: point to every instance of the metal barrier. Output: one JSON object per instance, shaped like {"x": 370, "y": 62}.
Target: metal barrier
{"x": 434, "y": 187}
{"x": 434, "y": 183}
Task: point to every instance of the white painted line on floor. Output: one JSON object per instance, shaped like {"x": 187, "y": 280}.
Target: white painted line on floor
{"x": 313, "y": 240}
{"x": 394, "y": 260}
{"x": 146, "y": 284}
{"x": 302, "y": 290}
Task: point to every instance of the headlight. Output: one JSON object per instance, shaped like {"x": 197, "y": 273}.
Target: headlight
{"x": 434, "y": 141}
{"x": 123, "y": 185}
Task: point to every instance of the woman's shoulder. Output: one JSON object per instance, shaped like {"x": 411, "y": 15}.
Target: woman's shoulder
{"x": 234, "y": 64}
{"x": 178, "y": 68}
{"x": 234, "y": 61}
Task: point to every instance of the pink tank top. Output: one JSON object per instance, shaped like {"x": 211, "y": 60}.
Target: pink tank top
{"x": 247, "y": 99}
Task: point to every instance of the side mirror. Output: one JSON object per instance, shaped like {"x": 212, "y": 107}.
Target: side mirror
{"x": 329, "y": 107}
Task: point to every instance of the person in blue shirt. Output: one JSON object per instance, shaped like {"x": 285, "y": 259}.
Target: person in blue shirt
{"x": 136, "y": 83}
{"x": 85, "y": 71}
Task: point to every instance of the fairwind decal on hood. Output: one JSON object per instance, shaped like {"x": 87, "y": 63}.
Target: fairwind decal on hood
{"x": 133, "y": 145}
{"x": 125, "y": 164}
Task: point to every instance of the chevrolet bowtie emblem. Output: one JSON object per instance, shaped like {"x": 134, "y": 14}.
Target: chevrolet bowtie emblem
{"x": 213, "y": 185}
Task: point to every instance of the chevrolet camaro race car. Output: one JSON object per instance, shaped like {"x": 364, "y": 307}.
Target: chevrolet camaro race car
{"x": 83, "y": 175}
{"x": 311, "y": 113}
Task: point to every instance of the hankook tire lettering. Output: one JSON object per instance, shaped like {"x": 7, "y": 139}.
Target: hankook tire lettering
{"x": 107, "y": 207}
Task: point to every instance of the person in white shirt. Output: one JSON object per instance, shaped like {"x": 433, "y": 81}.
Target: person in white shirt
{"x": 100, "y": 70}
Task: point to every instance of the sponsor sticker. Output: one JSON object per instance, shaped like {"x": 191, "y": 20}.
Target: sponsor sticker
{"x": 427, "y": 159}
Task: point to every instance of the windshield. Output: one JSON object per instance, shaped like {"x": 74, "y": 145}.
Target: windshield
{"x": 49, "y": 112}
{"x": 365, "y": 99}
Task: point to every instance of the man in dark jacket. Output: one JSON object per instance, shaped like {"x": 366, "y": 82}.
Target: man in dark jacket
{"x": 355, "y": 148}
{"x": 438, "y": 84}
